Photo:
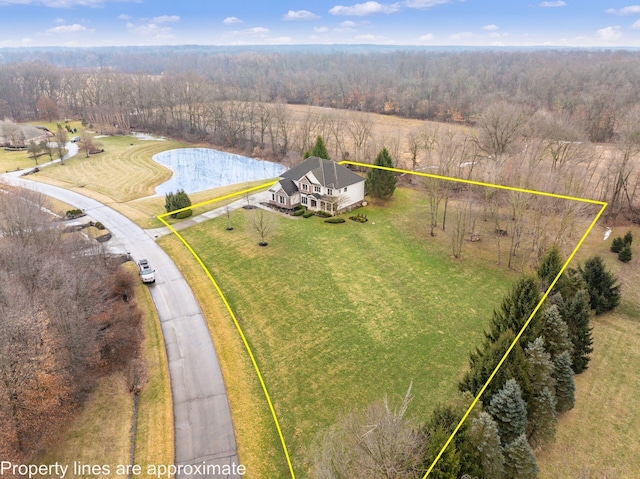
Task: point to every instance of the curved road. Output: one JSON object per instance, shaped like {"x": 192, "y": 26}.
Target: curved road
{"x": 203, "y": 428}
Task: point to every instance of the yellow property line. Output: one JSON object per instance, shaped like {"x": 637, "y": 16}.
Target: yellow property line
{"x": 602, "y": 204}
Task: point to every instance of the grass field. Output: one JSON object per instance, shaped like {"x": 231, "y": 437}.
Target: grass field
{"x": 598, "y": 439}
{"x": 340, "y": 315}
{"x": 101, "y": 433}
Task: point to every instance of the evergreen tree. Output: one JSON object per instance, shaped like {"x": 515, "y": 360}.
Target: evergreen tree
{"x": 625, "y": 255}
{"x": 576, "y": 312}
{"x": 520, "y": 462}
{"x": 381, "y": 183}
{"x": 540, "y": 366}
{"x": 484, "y": 435}
{"x": 541, "y": 427}
{"x": 604, "y": 294}
{"x": 483, "y": 362}
{"x": 617, "y": 244}
{"x": 570, "y": 283}
{"x": 565, "y": 386}
{"x": 515, "y": 310}
{"x": 628, "y": 238}
{"x": 550, "y": 266}
{"x": 509, "y": 411}
{"x": 319, "y": 150}
{"x": 448, "y": 466}
{"x": 555, "y": 331}
{"x": 176, "y": 201}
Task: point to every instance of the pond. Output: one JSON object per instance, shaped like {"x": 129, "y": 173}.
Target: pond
{"x": 199, "y": 169}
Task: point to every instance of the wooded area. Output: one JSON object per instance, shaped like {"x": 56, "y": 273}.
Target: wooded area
{"x": 510, "y": 113}
{"x": 68, "y": 318}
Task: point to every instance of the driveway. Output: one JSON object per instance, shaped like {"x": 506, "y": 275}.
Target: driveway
{"x": 204, "y": 432}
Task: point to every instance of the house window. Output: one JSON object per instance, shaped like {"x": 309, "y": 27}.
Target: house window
{"x": 345, "y": 189}
{"x": 281, "y": 199}
{"x": 329, "y": 191}
{"x": 305, "y": 187}
{"x": 273, "y": 197}
{"x": 303, "y": 200}
{"x": 317, "y": 189}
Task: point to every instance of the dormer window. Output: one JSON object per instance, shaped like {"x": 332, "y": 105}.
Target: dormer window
{"x": 329, "y": 192}
{"x": 317, "y": 189}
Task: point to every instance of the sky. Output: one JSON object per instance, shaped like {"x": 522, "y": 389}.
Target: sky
{"x": 566, "y": 23}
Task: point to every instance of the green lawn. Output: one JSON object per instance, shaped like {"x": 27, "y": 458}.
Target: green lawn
{"x": 341, "y": 315}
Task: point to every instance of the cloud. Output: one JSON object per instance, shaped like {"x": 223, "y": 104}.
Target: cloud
{"x": 59, "y": 21}
{"x": 320, "y": 29}
{"x": 426, "y": 38}
{"x": 66, "y": 29}
{"x": 460, "y": 36}
{"x": 124, "y": 16}
{"x": 60, "y": 3}
{"x": 255, "y": 31}
{"x": 369, "y": 38}
{"x": 491, "y": 27}
{"x": 299, "y": 15}
{"x": 558, "y": 3}
{"x": 232, "y": 21}
{"x": 636, "y": 25}
{"x": 630, "y": 10}
{"x": 362, "y": 9}
{"x": 348, "y": 24}
{"x": 166, "y": 19}
{"x": 424, "y": 4}
{"x": 609, "y": 34}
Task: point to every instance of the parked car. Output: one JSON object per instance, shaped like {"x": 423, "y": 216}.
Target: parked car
{"x": 75, "y": 139}
{"x": 147, "y": 275}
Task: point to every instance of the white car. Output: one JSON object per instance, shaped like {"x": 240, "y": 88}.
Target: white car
{"x": 147, "y": 275}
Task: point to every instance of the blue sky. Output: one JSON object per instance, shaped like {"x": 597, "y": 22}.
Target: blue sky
{"x": 607, "y": 23}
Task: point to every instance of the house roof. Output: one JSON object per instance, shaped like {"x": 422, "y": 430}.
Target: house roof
{"x": 288, "y": 186}
{"x": 329, "y": 173}
{"x": 15, "y": 133}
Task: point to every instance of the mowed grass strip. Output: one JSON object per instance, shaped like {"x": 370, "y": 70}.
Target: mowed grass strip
{"x": 340, "y": 315}
{"x": 125, "y": 171}
{"x": 154, "y": 440}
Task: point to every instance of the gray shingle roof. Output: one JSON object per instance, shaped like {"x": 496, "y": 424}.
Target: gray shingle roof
{"x": 288, "y": 186}
{"x": 329, "y": 173}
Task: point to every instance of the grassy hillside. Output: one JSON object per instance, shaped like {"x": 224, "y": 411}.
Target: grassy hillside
{"x": 341, "y": 315}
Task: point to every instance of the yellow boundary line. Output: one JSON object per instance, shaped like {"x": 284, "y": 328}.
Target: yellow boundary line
{"x": 602, "y": 204}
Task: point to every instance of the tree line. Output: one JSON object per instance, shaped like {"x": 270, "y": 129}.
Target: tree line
{"x": 518, "y": 408}
{"x": 68, "y": 316}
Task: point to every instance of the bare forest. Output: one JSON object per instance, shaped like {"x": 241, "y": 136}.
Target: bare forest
{"x": 564, "y": 121}
{"x": 68, "y": 317}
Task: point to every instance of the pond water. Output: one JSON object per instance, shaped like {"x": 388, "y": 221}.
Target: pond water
{"x": 198, "y": 169}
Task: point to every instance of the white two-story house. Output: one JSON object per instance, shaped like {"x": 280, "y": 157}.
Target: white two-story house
{"x": 320, "y": 185}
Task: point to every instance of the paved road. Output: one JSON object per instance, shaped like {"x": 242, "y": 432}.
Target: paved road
{"x": 203, "y": 428}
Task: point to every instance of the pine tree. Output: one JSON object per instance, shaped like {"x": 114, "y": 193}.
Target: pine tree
{"x": 617, "y": 244}
{"x": 555, "y": 331}
{"x": 520, "y": 462}
{"x": 381, "y": 183}
{"x": 604, "y": 294}
{"x": 625, "y": 255}
{"x": 484, "y": 435}
{"x": 565, "y": 386}
{"x": 483, "y": 362}
{"x": 576, "y": 312}
{"x": 550, "y": 266}
{"x": 515, "y": 310}
{"x": 540, "y": 366}
{"x": 448, "y": 466}
{"x": 509, "y": 411}
{"x": 628, "y": 238}
{"x": 570, "y": 283}
{"x": 176, "y": 201}
{"x": 541, "y": 427}
{"x": 319, "y": 150}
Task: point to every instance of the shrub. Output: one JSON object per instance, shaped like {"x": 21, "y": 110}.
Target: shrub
{"x": 324, "y": 214}
{"x": 299, "y": 212}
{"x": 73, "y": 213}
{"x": 176, "y": 201}
{"x": 308, "y": 214}
{"x": 183, "y": 214}
{"x": 625, "y": 254}
{"x": 628, "y": 238}
{"x": 335, "y": 220}
{"x": 99, "y": 225}
{"x": 359, "y": 218}
{"x": 617, "y": 244}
